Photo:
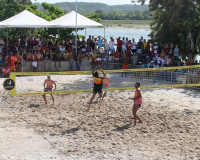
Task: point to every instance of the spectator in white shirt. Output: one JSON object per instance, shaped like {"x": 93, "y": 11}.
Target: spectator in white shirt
{"x": 34, "y": 65}
{"x": 2, "y": 42}
{"x": 134, "y": 48}
{"x": 106, "y": 46}
{"x": 62, "y": 49}
{"x": 124, "y": 44}
{"x": 112, "y": 46}
{"x": 155, "y": 49}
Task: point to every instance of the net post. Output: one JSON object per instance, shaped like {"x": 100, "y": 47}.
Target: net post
{"x": 13, "y": 77}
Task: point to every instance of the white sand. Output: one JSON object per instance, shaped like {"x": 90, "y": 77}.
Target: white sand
{"x": 31, "y": 130}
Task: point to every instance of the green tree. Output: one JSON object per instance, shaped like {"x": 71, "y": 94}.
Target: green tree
{"x": 94, "y": 16}
{"x": 8, "y": 9}
{"x": 50, "y": 13}
{"x": 177, "y": 21}
{"x": 99, "y": 11}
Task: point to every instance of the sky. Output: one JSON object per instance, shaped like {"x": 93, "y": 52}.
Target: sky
{"x": 109, "y": 2}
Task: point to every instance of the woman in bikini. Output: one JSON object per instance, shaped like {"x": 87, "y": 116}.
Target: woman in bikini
{"x": 137, "y": 102}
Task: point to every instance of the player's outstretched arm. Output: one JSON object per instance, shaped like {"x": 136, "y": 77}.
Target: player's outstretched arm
{"x": 105, "y": 75}
{"x": 95, "y": 69}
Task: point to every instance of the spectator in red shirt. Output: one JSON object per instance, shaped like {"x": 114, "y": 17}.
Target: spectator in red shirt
{"x": 116, "y": 56}
{"x": 166, "y": 49}
{"x": 125, "y": 66}
{"x": 11, "y": 62}
{"x": 189, "y": 63}
{"x": 129, "y": 45}
{"x": 148, "y": 47}
{"x": 128, "y": 55}
{"x": 119, "y": 44}
{"x": 34, "y": 42}
{"x": 69, "y": 50}
{"x": 43, "y": 49}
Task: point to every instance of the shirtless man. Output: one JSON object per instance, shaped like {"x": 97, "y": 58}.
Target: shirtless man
{"x": 39, "y": 57}
{"x": 48, "y": 87}
{"x": 29, "y": 59}
{"x": 18, "y": 64}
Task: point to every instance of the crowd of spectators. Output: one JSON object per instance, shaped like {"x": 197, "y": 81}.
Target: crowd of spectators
{"x": 145, "y": 54}
{"x": 40, "y": 52}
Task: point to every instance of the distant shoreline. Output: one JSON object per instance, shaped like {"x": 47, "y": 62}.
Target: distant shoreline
{"x": 127, "y": 23}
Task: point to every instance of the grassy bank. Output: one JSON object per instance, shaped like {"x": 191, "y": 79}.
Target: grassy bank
{"x": 127, "y": 23}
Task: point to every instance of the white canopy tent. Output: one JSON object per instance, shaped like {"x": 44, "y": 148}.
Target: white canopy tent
{"x": 25, "y": 19}
{"x": 1, "y": 25}
{"x": 75, "y": 20}
{"x": 69, "y": 21}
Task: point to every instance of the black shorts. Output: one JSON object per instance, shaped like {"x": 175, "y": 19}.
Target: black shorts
{"x": 119, "y": 49}
{"x": 139, "y": 105}
{"x": 97, "y": 89}
{"x": 54, "y": 57}
{"x": 134, "y": 50}
{"x": 17, "y": 63}
{"x": 47, "y": 89}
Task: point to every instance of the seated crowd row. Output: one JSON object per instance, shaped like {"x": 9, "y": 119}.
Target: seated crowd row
{"x": 37, "y": 50}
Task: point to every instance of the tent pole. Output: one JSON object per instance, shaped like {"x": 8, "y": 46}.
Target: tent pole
{"x": 85, "y": 33}
{"x": 58, "y": 35}
{"x": 104, "y": 35}
{"x": 22, "y": 57}
{"x": 76, "y": 47}
{"x": 7, "y": 41}
{"x": 104, "y": 46}
{"x": 22, "y": 61}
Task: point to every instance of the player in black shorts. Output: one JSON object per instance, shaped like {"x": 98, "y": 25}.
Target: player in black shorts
{"x": 98, "y": 84}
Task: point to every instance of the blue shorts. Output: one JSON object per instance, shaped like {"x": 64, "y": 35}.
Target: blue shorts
{"x": 71, "y": 64}
{"x": 78, "y": 66}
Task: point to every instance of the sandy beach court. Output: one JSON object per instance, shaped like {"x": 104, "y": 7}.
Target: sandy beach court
{"x": 31, "y": 130}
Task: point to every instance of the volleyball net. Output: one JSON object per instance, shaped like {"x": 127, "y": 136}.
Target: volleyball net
{"x": 82, "y": 81}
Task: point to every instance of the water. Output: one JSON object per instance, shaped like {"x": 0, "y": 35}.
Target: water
{"x": 116, "y": 32}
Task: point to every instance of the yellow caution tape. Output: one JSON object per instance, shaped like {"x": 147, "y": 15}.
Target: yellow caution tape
{"x": 110, "y": 89}
{"x": 14, "y": 74}
{"x": 106, "y": 71}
